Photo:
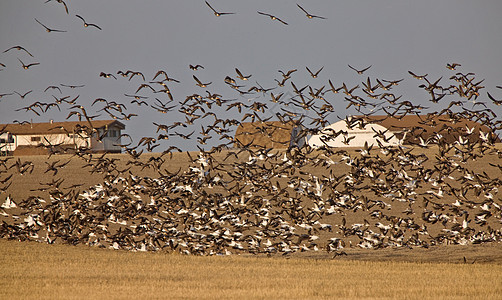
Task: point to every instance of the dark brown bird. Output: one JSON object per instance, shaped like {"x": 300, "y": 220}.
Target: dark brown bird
{"x": 53, "y": 87}
{"x": 452, "y": 66}
{"x": 216, "y": 13}
{"x": 240, "y": 76}
{"x": 26, "y": 67}
{"x": 23, "y": 95}
{"x": 62, "y": 2}
{"x": 49, "y": 29}
{"x": 199, "y": 83}
{"x": 18, "y": 48}
{"x": 314, "y": 75}
{"x": 72, "y": 86}
{"x": 272, "y": 17}
{"x": 106, "y": 75}
{"x": 88, "y": 24}
{"x": 195, "y": 67}
{"x": 420, "y": 77}
{"x": 359, "y": 71}
{"x": 309, "y": 15}
{"x": 495, "y": 101}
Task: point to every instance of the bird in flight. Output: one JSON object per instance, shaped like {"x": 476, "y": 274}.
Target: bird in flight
{"x": 26, "y": 67}
{"x": 495, "y": 101}
{"x": 23, "y": 95}
{"x": 199, "y": 83}
{"x": 49, "y": 29}
{"x": 62, "y": 2}
{"x": 195, "y": 67}
{"x": 359, "y": 71}
{"x": 18, "y": 48}
{"x": 107, "y": 75}
{"x": 273, "y": 17}
{"x": 240, "y": 76}
{"x": 216, "y": 13}
{"x": 88, "y": 24}
{"x": 452, "y": 66}
{"x": 309, "y": 15}
{"x": 420, "y": 77}
{"x": 314, "y": 75}
{"x": 72, "y": 86}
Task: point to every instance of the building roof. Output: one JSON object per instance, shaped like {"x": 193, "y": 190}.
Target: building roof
{"x": 427, "y": 126}
{"x": 56, "y": 127}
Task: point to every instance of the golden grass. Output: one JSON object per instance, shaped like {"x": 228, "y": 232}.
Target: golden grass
{"x": 33, "y": 270}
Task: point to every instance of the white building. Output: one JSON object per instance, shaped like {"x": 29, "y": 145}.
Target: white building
{"x": 29, "y": 138}
{"x": 350, "y": 133}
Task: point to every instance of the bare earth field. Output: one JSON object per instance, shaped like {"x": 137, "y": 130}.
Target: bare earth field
{"x": 36, "y": 270}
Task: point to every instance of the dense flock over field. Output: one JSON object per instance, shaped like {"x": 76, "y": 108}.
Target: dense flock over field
{"x": 257, "y": 201}
{"x": 225, "y": 196}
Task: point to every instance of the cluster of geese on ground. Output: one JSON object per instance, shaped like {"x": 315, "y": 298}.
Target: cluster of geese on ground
{"x": 237, "y": 198}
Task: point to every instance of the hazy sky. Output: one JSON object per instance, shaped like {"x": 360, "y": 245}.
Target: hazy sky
{"x": 148, "y": 36}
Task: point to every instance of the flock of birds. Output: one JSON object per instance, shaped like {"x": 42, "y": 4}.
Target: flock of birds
{"x": 243, "y": 198}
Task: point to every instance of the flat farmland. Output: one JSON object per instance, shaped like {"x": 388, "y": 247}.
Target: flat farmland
{"x": 322, "y": 206}
{"x": 36, "y": 270}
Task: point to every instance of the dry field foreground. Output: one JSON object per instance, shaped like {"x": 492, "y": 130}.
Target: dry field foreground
{"x": 344, "y": 206}
{"x": 41, "y": 271}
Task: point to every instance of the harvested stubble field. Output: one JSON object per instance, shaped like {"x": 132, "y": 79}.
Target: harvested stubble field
{"x": 41, "y": 271}
{"x": 394, "y": 230}
{"x": 430, "y": 216}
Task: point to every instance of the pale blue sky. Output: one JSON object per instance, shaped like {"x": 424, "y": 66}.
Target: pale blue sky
{"x": 147, "y": 36}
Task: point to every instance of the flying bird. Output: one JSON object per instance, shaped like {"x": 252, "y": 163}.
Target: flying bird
{"x": 287, "y": 75}
{"x": 23, "y": 95}
{"x": 18, "y": 48}
{"x": 199, "y": 83}
{"x": 314, "y": 75}
{"x": 195, "y": 67}
{"x": 106, "y": 75}
{"x": 272, "y": 17}
{"x": 88, "y": 24}
{"x": 72, "y": 86}
{"x": 495, "y": 101}
{"x": 62, "y": 2}
{"x": 309, "y": 15}
{"x": 54, "y": 88}
{"x": 240, "y": 76}
{"x": 452, "y": 66}
{"x": 218, "y": 13}
{"x": 359, "y": 71}
{"x": 49, "y": 29}
{"x": 420, "y": 77}
{"x": 26, "y": 67}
